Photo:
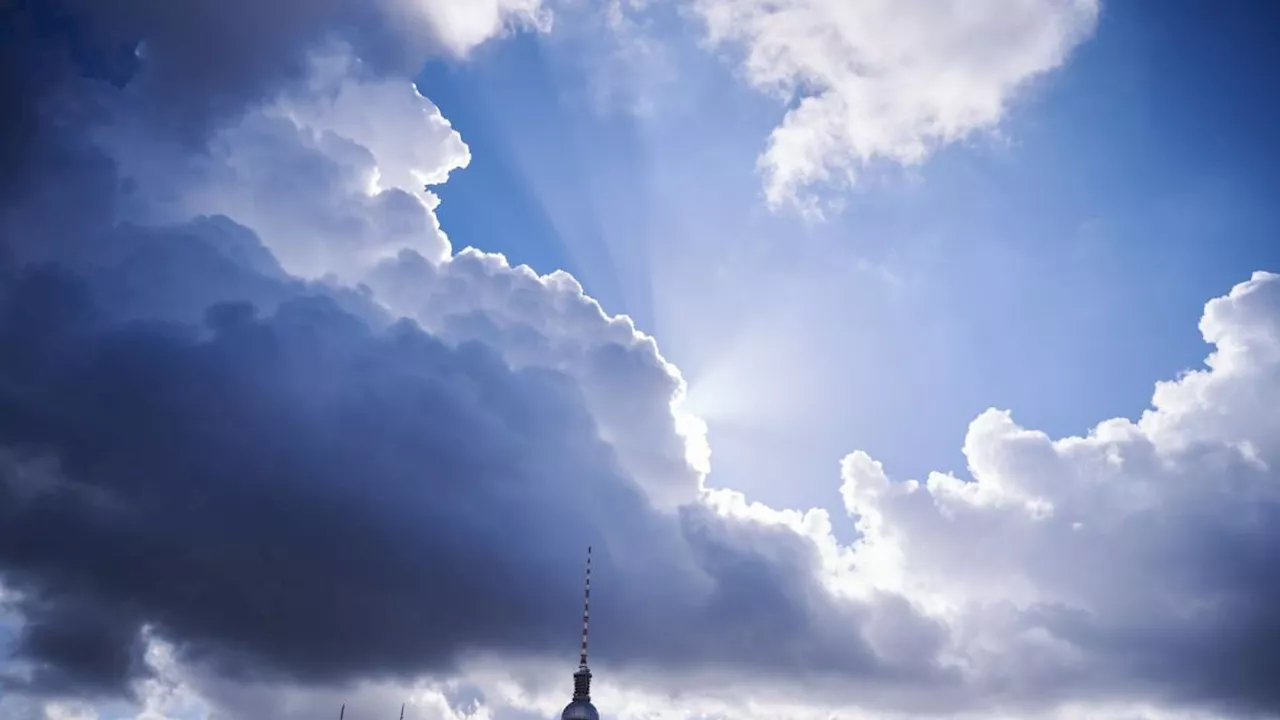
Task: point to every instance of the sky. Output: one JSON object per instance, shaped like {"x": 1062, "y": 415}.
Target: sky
{"x": 910, "y": 359}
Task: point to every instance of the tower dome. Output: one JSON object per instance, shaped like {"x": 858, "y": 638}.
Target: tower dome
{"x": 580, "y": 708}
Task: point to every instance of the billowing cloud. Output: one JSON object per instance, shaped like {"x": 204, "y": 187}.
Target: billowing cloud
{"x": 1133, "y": 560}
{"x": 1118, "y": 574}
{"x": 267, "y": 441}
{"x": 148, "y": 87}
{"x": 310, "y": 495}
{"x": 217, "y": 432}
{"x": 332, "y": 188}
{"x": 886, "y": 80}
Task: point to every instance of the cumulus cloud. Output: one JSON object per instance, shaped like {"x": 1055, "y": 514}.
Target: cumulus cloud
{"x": 267, "y": 442}
{"x": 311, "y": 496}
{"x": 886, "y": 79}
{"x": 1132, "y": 561}
{"x": 633, "y": 393}
{"x": 332, "y": 188}
{"x": 218, "y": 433}
{"x": 147, "y": 86}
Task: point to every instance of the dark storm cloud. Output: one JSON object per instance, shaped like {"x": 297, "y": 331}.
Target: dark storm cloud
{"x": 298, "y": 488}
{"x": 305, "y": 494}
{"x": 79, "y": 645}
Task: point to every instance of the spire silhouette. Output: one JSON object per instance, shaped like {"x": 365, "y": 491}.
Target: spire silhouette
{"x": 581, "y": 708}
{"x": 586, "y": 610}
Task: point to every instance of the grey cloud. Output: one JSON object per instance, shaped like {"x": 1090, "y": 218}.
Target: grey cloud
{"x": 305, "y": 495}
{"x": 195, "y": 63}
{"x": 627, "y": 385}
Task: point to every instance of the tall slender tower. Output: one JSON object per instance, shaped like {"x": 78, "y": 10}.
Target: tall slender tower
{"x": 581, "y": 708}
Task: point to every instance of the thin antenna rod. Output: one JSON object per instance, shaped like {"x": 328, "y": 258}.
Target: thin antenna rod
{"x": 343, "y": 712}
{"x": 401, "y": 711}
{"x": 586, "y": 610}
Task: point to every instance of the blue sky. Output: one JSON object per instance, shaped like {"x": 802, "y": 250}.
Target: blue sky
{"x": 1055, "y": 267}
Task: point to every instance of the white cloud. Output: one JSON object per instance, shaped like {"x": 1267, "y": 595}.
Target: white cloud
{"x": 331, "y": 174}
{"x": 461, "y": 25}
{"x": 1121, "y": 574}
{"x": 887, "y": 79}
{"x": 1078, "y": 561}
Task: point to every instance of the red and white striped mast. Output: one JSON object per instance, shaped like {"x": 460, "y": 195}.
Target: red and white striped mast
{"x": 582, "y": 678}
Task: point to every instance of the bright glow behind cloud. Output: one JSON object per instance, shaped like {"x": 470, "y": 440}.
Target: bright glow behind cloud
{"x": 463, "y": 24}
{"x": 887, "y": 79}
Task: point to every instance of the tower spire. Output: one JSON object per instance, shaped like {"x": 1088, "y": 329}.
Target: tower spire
{"x": 582, "y": 678}
{"x": 581, "y": 708}
{"x": 586, "y": 610}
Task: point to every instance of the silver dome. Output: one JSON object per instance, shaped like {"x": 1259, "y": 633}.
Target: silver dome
{"x": 580, "y": 710}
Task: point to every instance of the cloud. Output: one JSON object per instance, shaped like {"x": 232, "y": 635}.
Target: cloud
{"x": 1129, "y": 563}
{"x": 464, "y": 24}
{"x": 219, "y": 433}
{"x": 266, "y": 440}
{"x": 634, "y": 394}
{"x": 346, "y": 186}
{"x": 208, "y": 59}
{"x": 313, "y": 498}
{"x": 881, "y": 80}
{"x": 91, "y": 85}
{"x": 1121, "y": 570}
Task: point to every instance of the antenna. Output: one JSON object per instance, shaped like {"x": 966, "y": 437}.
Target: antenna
{"x": 586, "y": 610}
{"x": 582, "y": 678}
{"x": 401, "y": 711}
{"x": 343, "y": 712}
